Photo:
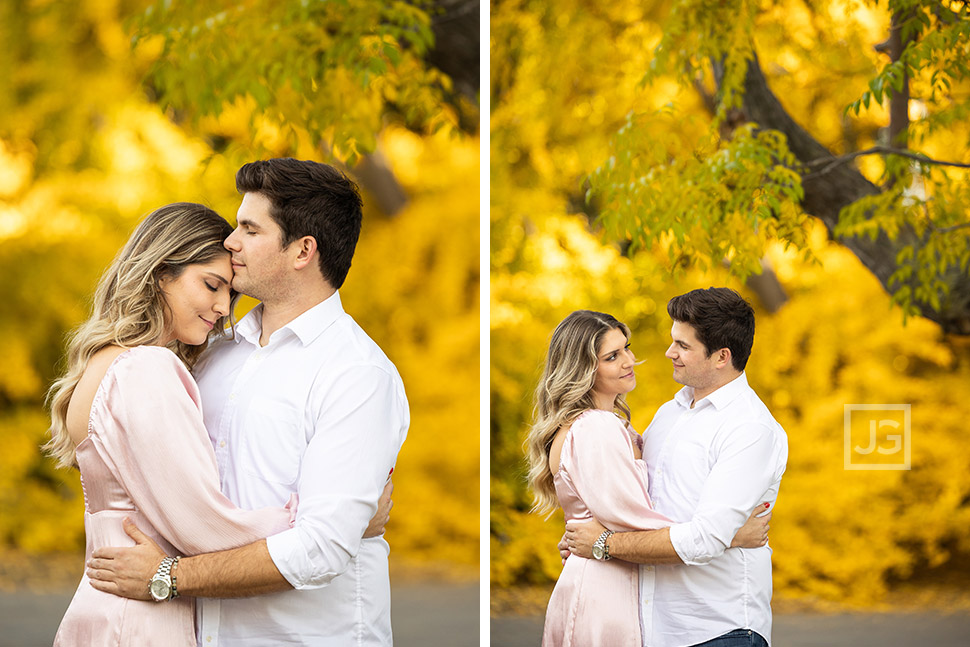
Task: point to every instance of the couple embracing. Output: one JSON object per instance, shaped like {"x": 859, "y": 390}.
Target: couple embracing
{"x": 236, "y": 477}
{"x": 664, "y": 545}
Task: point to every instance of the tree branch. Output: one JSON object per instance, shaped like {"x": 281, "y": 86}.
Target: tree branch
{"x": 946, "y": 230}
{"x": 826, "y": 194}
{"x": 833, "y": 162}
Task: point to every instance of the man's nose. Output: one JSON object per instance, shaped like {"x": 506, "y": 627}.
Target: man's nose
{"x": 230, "y": 242}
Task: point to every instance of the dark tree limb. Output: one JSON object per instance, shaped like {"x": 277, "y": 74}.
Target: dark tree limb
{"x": 455, "y": 24}
{"x": 876, "y": 150}
{"x": 898, "y": 101}
{"x": 826, "y": 194}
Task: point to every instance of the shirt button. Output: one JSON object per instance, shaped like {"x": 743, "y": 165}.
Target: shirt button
{"x": 208, "y": 639}
{"x": 232, "y": 396}
{"x": 222, "y": 443}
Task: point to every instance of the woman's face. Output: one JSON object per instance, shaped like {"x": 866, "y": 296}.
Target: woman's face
{"x": 196, "y": 299}
{"x": 614, "y": 368}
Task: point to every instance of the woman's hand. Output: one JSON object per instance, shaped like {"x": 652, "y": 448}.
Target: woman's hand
{"x": 754, "y": 533}
{"x": 376, "y": 526}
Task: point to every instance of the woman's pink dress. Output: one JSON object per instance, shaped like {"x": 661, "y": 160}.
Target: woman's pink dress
{"x": 147, "y": 456}
{"x": 597, "y": 603}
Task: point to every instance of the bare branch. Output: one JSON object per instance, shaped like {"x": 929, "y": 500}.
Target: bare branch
{"x": 832, "y": 163}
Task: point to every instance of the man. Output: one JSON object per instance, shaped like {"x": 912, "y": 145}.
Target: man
{"x": 302, "y": 402}
{"x": 713, "y": 453}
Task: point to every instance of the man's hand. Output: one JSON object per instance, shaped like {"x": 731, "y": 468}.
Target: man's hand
{"x": 376, "y": 526}
{"x": 126, "y": 571}
{"x": 563, "y": 549}
{"x": 581, "y": 535}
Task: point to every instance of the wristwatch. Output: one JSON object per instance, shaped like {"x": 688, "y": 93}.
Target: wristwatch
{"x": 601, "y": 551}
{"x": 162, "y": 585}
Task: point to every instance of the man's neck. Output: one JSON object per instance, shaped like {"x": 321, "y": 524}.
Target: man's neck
{"x": 277, "y": 314}
{"x": 700, "y": 394}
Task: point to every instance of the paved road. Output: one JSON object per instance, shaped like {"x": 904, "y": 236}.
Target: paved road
{"x": 423, "y": 615}
{"x": 805, "y": 630}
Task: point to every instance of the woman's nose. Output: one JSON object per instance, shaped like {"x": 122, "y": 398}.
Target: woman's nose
{"x": 221, "y": 306}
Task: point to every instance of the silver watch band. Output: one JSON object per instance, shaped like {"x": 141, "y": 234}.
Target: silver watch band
{"x": 175, "y": 562}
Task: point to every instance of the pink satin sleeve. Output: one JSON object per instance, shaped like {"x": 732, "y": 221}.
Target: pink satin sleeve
{"x": 164, "y": 459}
{"x": 598, "y": 459}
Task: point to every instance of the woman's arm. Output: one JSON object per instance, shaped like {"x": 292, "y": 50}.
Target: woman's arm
{"x": 159, "y": 451}
{"x": 754, "y": 533}
{"x": 599, "y": 462}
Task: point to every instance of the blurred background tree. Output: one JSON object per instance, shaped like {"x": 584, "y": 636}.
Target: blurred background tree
{"x": 110, "y": 109}
{"x": 640, "y": 150}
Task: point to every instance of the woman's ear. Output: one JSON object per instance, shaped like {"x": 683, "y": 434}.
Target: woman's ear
{"x": 163, "y": 276}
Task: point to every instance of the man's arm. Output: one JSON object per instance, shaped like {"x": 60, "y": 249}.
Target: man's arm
{"x": 652, "y": 546}
{"x": 744, "y": 473}
{"x": 638, "y": 546}
{"x": 238, "y": 572}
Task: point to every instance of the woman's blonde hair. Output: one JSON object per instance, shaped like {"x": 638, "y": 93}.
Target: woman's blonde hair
{"x": 564, "y": 392}
{"x": 129, "y": 308}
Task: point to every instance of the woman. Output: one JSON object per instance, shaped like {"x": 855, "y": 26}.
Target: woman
{"x": 586, "y": 459}
{"x": 127, "y": 414}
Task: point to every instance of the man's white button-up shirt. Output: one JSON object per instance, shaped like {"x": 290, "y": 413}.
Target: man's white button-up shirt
{"x": 709, "y": 466}
{"x": 320, "y": 412}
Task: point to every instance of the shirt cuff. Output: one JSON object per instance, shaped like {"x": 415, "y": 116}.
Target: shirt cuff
{"x": 687, "y": 549}
{"x": 290, "y": 558}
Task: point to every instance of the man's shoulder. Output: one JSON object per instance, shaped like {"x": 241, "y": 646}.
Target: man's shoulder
{"x": 350, "y": 345}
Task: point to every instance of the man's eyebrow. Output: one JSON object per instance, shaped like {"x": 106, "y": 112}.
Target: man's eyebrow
{"x": 218, "y": 276}
{"x": 246, "y": 222}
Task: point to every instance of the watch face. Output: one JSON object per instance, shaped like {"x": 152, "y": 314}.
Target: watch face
{"x": 598, "y": 552}
{"x": 160, "y": 589}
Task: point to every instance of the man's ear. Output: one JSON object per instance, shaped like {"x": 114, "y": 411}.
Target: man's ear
{"x": 306, "y": 248}
{"x": 723, "y": 357}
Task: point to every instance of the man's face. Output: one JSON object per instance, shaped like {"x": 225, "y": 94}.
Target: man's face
{"x": 692, "y": 366}
{"x": 258, "y": 260}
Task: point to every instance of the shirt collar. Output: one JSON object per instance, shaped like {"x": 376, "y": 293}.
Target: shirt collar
{"x": 720, "y": 398}
{"x": 306, "y": 327}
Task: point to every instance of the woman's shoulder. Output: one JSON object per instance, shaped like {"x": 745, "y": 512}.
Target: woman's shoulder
{"x": 597, "y": 419}
{"x": 154, "y": 363}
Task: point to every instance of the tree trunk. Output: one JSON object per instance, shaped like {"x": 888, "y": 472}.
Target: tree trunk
{"x": 828, "y": 191}
{"x": 455, "y": 24}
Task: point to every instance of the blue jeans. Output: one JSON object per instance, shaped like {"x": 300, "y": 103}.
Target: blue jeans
{"x": 736, "y": 638}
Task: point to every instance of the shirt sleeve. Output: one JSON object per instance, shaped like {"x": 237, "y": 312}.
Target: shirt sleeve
{"x": 742, "y": 475}
{"x": 161, "y": 454}
{"x": 598, "y": 461}
{"x": 358, "y": 433}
